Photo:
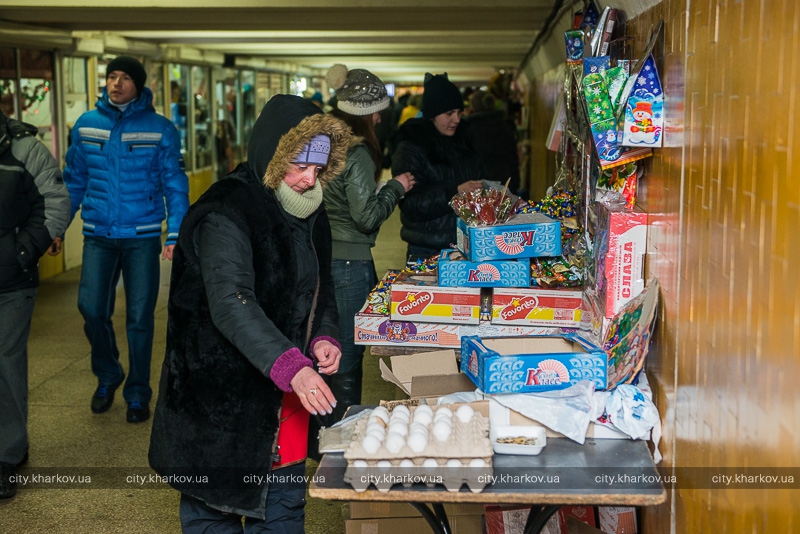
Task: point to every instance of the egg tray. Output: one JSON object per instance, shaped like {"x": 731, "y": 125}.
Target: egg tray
{"x": 466, "y": 441}
{"x": 384, "y": 477}
{"x": 382, "y": 469}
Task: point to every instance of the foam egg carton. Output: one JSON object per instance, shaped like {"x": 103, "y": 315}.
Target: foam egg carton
{"x": 385, "y": 452}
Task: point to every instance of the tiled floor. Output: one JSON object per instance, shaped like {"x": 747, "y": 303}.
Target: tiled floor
{"x": 103, "y": 453}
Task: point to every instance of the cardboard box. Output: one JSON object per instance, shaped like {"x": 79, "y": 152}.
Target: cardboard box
{"x": 460, "y": 524}
{"x": 537, "y": 307}
{"x": 374, "y": 510}
{"x": 373, "y": 329}
{"x": 620, "y": 243}
{"x": 427, "y": 374}
{"x": 455, "y": 270}
{"x": 527, "y": 235}
{"x": 510, "y": 519}
{"x": 532, "y": 364}
{"x": 416, "y": 297}
{"x": 617, "y": 519}
{"x": 582, "y": 514}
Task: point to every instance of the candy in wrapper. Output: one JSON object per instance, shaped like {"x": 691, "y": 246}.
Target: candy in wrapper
{"x": 483, "y": 207}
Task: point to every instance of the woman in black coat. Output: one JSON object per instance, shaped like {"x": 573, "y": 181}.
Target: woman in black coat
{"x": 437, "y": 150}
{"x": 252, "y": 315}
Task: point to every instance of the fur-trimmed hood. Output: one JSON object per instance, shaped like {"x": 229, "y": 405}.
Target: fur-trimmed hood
{"x": 286, "y": 124}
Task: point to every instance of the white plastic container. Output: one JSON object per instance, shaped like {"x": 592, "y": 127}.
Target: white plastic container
{"x": 516, "y": 431}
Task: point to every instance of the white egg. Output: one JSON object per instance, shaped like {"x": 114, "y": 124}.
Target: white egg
{"x": 381, "y": 413}
{"x": 422, "y": 417}
{"x": 445, "y": 419}
{"x": 394, "y": 442}
{"x": 371, "y": 444}
{"x": 453, "y": 462}
{"x": 465, "y": 413}
{"x": 424, "y": 408}
{"x": 360, "y": 464}
{"x": 443, "y": 411}
{"x": 406, "y": 462}
{"x": 430, "y": 462}
{"x": 377, "y": 434}
{"x": 400, "y": 409}
{"x": 419, "y": 427}
{"x": 477, "y": 462}
{"x": 384, "y": 465}
{"x": 441, "y": 431}
{"x": 417, "y": 442}
{"x": 399, "y": 427}
{"x": 374, "y": 427}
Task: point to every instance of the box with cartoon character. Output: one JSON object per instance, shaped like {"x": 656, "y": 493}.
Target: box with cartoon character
{"x": 532, "y": 364}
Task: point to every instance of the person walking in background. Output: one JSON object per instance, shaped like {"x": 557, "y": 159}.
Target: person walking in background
{"x": 251, "y": 303}
{"x": 34, "y": 211}
{"x": 494, "y": 136}
{"x": 437, "y": 151}
{"x": 123, "y": 163}
{"x": 356, "y": 212}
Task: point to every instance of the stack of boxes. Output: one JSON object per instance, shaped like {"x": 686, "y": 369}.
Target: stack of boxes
{"x": 488, "y": 277}
{"x": 483, "y": 288}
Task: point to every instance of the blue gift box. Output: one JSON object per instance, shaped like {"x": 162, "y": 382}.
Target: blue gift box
{"x": 460, "y": 272}
{"x": 532, "y": 364}
{"x": 526, "y": 235}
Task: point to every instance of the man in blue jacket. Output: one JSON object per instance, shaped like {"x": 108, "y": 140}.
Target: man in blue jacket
{"x": 123, "y": 165}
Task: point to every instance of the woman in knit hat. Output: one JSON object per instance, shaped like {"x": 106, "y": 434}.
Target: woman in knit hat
{"x": 357, "y": 209}
{"x": 252, "y": 326}
{"x": 437, "y": 151}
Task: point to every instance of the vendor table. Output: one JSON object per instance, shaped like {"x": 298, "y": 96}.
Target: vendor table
{"x": 604, "y": 472}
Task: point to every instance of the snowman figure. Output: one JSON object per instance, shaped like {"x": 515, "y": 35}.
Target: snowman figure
{"x": 643, "y": 131}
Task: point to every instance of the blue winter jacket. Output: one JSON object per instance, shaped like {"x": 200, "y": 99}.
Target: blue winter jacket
{"x": 122, "y": 166}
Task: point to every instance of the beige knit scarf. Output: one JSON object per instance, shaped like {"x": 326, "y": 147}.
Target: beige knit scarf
{"x": 301, "y": 205}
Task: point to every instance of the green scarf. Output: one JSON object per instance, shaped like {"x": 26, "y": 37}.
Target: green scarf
{"x": 301, "y": 205}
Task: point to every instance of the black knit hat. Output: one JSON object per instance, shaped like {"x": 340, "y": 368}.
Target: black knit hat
{"x": 440, "y": 95}
{"x": 132, "y": 67}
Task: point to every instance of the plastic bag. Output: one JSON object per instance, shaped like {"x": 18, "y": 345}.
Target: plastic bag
{"x": 630, "y": 411}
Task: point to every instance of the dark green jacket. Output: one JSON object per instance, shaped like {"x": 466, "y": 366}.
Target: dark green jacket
{"x": 356, "y": 212}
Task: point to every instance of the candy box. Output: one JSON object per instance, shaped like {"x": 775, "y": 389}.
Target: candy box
{"x": 537, "y": 307}
{"x": 416, "y": 297}
{"x": 455, "y": 270}
{"x": 526, "y": 235}
{"x": 532, "y": 364}
{"x": 619, "y": 238}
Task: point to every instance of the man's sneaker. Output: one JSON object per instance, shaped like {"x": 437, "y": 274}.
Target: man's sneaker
{"x": 8, "y": 488}
{"x": 103, "y": 396}
{"x": 138, "y": 412}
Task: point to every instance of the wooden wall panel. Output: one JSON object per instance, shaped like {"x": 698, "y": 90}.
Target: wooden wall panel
{"x": 723, "y": 196}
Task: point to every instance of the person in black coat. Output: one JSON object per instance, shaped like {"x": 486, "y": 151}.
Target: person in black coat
{"x": 252, "y": 317}
{"x": 494, "y": 136}
{"x": 437, "y": 150}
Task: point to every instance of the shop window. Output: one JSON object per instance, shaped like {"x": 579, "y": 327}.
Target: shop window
{"x": 203, "y": 129}
{"x": 179, "y": 106}
{"x": 248, "y": 107}
{"x": 76, "y": 91}
{"x": 225, "y": 90}
{"x": 155, "y": 81}
{"x": 35, "y": 97}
